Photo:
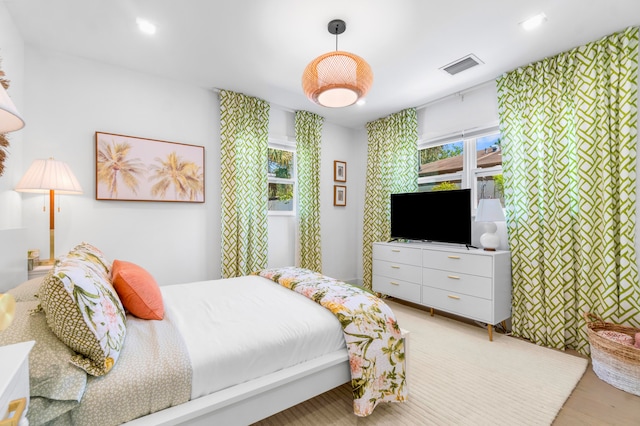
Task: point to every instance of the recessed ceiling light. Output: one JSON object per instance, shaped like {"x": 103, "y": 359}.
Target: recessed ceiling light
{"x": 361, "y": 101}
{"x": 533, "y": 22}
{"x": 146, "y": 26}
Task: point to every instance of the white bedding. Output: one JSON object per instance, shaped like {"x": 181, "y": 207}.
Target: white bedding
{"x": 271, "y": 328}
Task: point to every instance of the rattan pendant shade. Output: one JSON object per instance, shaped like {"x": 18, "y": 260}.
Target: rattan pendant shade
{"x": 337, "y": 79}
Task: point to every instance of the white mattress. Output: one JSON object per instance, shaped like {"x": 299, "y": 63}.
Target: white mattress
{"x": 239, "y": 329}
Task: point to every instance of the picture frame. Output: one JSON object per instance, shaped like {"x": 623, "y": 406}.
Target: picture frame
{"x": 339, "y": 195}
{"x": 340, "y": 171}
{"x": 131, "y": 168}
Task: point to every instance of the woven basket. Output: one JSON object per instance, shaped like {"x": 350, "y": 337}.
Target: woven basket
{"x": 613, "y": 362}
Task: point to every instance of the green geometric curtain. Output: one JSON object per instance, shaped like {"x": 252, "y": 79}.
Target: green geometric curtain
{"x": 392, "y": 167}
{"x": 244, "y": 131}
{"x": 569, "y": 125}
{"x": 308, "y": 141}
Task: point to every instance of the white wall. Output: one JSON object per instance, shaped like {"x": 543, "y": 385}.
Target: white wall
{"x": 68, "y": 99}
{"x": 12, "y": 63}
{"x": 340, "y": 225}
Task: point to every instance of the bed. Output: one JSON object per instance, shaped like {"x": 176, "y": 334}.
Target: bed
{"x": 229, "y": 351}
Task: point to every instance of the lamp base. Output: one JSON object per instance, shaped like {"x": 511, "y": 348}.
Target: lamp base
{"x": 490, "y": 240}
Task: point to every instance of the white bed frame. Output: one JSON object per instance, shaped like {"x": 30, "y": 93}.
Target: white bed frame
{"x": 248, "y": 402}
{"x": 256, "y": 399}
{"x": 239, "y": 405}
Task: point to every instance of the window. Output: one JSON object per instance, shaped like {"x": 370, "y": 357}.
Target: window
{"x": 468, "y": 162}
{"x": 281, "y": 178}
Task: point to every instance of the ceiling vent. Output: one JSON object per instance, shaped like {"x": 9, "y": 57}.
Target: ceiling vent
{"x": 462, "y": 64}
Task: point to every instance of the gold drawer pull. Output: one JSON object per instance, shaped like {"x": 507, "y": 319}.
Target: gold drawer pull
{"x": 395, "y": 267}
{"x": 395, "y": 250}
{"x": 16, "y": 407}
{"x": 393, "y": 283}
{"x": 453, "y": 257}
{"x": 451, "y": 296}
{"x": 453, "y": 277}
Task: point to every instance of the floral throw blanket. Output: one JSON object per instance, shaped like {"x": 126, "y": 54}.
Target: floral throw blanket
{"x": 372, "y": 334}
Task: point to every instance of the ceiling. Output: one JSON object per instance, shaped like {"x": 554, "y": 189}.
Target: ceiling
{"x": 261, "y": 47}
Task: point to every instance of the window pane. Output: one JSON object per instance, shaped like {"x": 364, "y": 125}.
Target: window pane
{"x": 441, "y": 159}
{"x": 491, "y": 187}
{"x": 440, "y": 186}
{"x": 280, "y": 197}
{"x": 280, "y": 163}
{"x": 489, "y": 151}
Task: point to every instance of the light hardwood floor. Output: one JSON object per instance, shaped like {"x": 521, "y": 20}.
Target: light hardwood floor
{"x": 594, "y": 402}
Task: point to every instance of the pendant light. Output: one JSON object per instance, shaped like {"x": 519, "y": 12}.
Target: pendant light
{"x": 337, "y": 79}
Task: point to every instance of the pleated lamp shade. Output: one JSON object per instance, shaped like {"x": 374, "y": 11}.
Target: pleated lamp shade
{"x": 10, "y": 119}
{"x": 337, "y": 79}
{"x": 46, "y": 175}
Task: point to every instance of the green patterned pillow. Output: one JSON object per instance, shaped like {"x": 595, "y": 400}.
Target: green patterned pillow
{"x": 84, "y": 311}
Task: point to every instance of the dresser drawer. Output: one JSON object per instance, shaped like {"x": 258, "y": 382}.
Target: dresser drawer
{"x": 457, "y": 303}
{"x": 463, "y": 263}
{"x": 398, "y": 271}
{"x": 399, "y": 254}
{"x": 471, "y": 285}
{"x": 397, "y": 288}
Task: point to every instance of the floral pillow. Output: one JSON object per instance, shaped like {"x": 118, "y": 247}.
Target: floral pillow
{"x": 84, "y": 311}
{"x": 92, "y": 254}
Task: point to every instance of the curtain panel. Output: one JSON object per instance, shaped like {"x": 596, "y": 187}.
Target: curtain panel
{"x": 244, "y": 132}
{"x": 308, "y": 128}
{"x": 569, "y": 126}
{"x": 392, "y": 167}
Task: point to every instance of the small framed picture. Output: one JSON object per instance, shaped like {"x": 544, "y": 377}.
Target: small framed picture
{"x": 339, "y": 195}
{"x": 340, "y": 171}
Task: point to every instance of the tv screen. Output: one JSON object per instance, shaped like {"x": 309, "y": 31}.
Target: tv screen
{"x": 442, "y": 216}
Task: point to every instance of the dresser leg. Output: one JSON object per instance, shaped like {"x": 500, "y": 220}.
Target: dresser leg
{"x": 431, "y": 311}
{"x": 490, "y": 330}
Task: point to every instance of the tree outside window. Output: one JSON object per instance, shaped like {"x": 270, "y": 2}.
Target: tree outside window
{"x": 280, "y": 176}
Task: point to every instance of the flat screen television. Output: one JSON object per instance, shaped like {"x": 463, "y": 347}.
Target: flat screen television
{"x": 439, "y": 216}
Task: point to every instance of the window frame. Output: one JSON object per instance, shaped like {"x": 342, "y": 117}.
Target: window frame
{"x": 284, "y": 144}
{"x": 470, "y": 172}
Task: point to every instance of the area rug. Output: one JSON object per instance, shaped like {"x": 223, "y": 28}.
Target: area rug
{"x": 457, "y": 377}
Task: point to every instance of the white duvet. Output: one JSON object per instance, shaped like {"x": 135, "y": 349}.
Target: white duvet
{"x": 239, "y": 329}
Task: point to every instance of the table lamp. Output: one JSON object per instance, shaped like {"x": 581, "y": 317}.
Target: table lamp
{"x": 490, "y": 211}
{"x": 50, "y": 176}
{"x": 10, "y": 119}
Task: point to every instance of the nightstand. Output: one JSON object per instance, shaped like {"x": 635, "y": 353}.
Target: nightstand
{"x": 14, "y": 384}
{"x": 39, "y": 271}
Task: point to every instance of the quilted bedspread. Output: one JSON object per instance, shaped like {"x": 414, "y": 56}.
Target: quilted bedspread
{"x": 373, "y": 338}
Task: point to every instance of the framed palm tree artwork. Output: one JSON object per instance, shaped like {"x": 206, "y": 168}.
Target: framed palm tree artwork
{"x": 130, "y": 168}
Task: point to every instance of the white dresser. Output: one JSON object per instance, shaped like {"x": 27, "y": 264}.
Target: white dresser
{"x": 14, "y": 383}
{"x": 471, "y": 283}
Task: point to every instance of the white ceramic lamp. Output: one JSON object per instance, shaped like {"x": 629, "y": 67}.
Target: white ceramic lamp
{"x": 490, "y": 211}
